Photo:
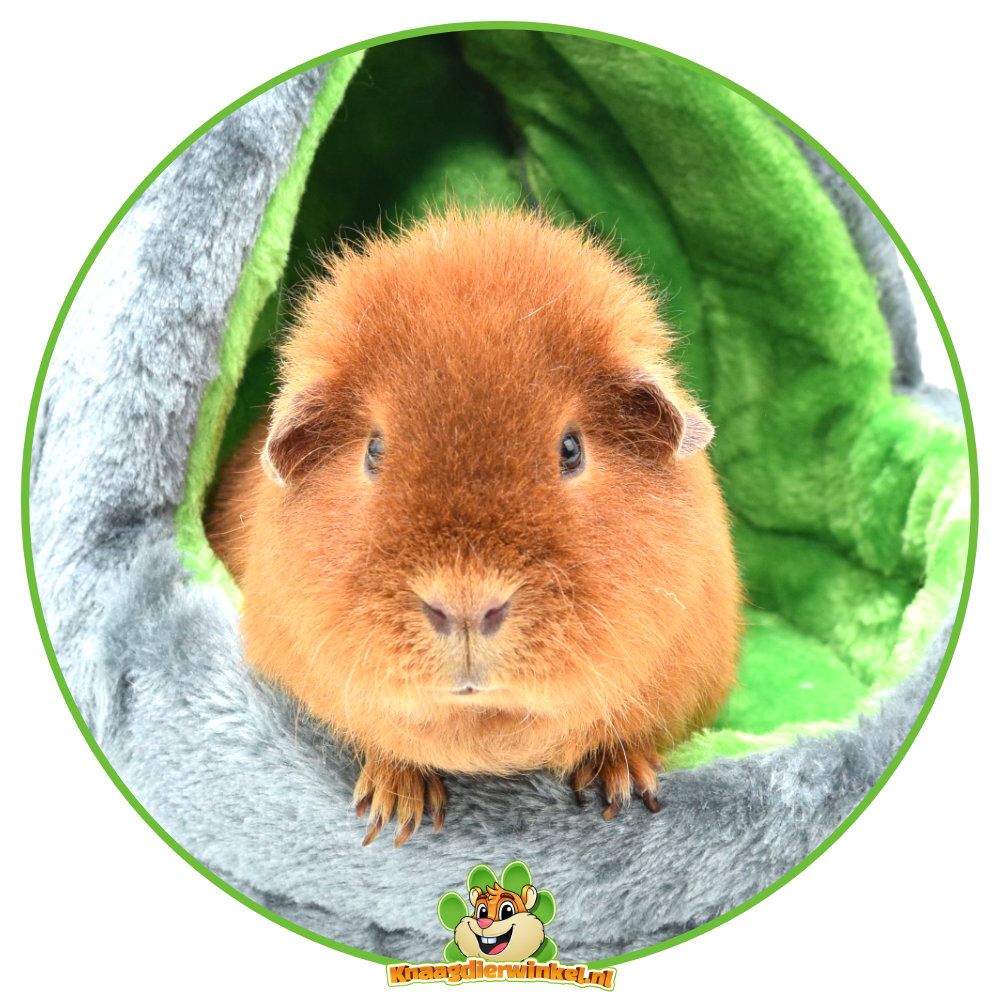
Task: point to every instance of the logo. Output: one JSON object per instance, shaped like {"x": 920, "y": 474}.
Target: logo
{"x": 507, "y": 921}
{"x": 503, "y": 937}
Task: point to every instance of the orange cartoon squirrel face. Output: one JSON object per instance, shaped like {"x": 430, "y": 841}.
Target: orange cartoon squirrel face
{"x": 501, "y": 926}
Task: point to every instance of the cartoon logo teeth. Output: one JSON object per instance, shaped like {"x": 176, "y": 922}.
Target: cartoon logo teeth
{"x": 495, "y": 945}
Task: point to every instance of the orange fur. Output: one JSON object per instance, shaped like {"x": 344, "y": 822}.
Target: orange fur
{"x": 472, "y": 341}
{"x": 493, "y": 896}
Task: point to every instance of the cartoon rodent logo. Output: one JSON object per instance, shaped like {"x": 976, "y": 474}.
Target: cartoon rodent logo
{"x": 508, "y": 917}
{"x": 501, "y": 925}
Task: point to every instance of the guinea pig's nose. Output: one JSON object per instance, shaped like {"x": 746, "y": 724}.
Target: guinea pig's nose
{"x": 493, "y": 617}
{"x": 484, "y": 922}
{"x": 483, "y": 616}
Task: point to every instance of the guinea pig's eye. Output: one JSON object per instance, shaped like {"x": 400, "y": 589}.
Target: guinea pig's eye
{"x": 571, "y": 453}
{"x": 506, "y": 910}
{"x": 373, "y": 456}
{"x": 480, "y": 911}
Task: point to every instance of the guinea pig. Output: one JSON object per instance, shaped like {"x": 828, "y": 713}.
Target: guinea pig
{"x": 479, "y": 532}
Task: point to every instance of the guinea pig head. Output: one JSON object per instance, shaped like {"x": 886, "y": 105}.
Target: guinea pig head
{"x": 487, "y": 491}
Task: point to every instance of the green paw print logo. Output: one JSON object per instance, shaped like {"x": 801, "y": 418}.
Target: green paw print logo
{"x": 508, "y": 918}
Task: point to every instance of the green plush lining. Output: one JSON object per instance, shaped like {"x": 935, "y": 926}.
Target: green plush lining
{"x": 247, "y": 314}
{"x": 851, "y": 505}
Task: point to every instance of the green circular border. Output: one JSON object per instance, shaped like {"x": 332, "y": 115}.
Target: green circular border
{"x": 479, "y": 26}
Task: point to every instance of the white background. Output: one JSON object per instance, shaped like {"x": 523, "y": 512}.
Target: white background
{"x": 95, "y": 95}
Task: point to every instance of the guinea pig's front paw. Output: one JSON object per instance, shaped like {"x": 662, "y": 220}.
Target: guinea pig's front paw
{"x": 388, "y": 787}
{"x": 621, "y": 771}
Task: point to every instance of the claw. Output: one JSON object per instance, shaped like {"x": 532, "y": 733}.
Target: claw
{"x": 437, "y": 799}
{"x": 650, "y": 801}
{"x": 373, "y": 830}
{"x": 404, "y": 833}
{"x": 583, "y": 776}
{"x": 386, "y": 789}
{"x": 622, "y": 773}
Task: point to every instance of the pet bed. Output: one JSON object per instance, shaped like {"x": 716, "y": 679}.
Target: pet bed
{"x": 850, "y": 496}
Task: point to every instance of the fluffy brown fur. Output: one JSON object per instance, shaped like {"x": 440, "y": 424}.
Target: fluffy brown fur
{"x": 471, "y": 343}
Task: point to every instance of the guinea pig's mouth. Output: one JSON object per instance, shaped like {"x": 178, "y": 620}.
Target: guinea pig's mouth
{"x": 494, "y": 945}
{"x": 468, "y": 689}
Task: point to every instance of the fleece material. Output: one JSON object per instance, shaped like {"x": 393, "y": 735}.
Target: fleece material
{"x": 851, "y": 500}
{"x": 780, "y": 288}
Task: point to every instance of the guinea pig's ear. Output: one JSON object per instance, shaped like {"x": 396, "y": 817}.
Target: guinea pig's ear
{"x": 698, "y": 431}
{"x": 528, "y": 896}
{"x": 474, "y": 895}
{"x": 656, "y": 426}
{"x": 301, "y": 429}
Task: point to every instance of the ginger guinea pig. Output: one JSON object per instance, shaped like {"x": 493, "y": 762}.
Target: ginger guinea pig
{"x": 480, "y": 532}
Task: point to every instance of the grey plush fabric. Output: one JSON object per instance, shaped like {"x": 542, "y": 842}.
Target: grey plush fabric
{"x": 140, "y": 344}
{"x": 222, "y": 762}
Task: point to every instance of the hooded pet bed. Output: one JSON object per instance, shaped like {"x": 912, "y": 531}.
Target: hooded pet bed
{"x": 850, "y": 498}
